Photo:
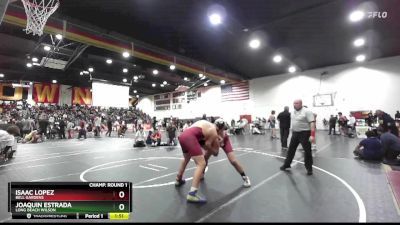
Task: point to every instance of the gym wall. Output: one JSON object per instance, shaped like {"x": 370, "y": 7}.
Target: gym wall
{"x": 357, "y": 86}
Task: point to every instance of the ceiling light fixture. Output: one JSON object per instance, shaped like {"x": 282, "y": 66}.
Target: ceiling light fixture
{"x": 277, "y": 58}
{"x": 47, "y": 48}
{"x": 359, "y": 42}
{"x": 125, "y": 70}
{"x": 360, "y": 58}
{"x": 59, "y": 36}
{"x": 34, "y": 59}
{"x": 356, "y": 16}
{"x": 292, "y": 69}
{"x": 215, "y": 19}
{"x": 108, "y": 61}
{"x": 254, "y": 44}
{"x": 172, "y": 67}
{"x": 222, "y": 81}
{"x": 126, "y": 54}
{"x": 155, "y": 72}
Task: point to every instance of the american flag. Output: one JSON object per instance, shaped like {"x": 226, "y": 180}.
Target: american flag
{"x": 235, "y": 92}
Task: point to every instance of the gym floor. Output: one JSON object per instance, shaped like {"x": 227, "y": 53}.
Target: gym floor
{"x": 342, "y": 188}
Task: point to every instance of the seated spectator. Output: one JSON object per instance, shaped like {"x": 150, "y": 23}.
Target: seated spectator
{"x": 387, "y": 122}
{"x": 7, "y": 141}
{"x": 391, "y": 147}
{"x": 148, "y": 139}
{"x": 140, "y": 137}
{"x": 369, "y": 148}
{"x": 121, "y": 130}
{"x": 156, "y": 138}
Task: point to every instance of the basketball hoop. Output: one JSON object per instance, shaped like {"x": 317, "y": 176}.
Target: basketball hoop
{"x": 37, "y": 13}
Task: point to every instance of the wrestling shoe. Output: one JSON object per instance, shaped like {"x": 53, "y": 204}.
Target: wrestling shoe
{"x": 193, "y": 197}
{"x": 246, "y": 182}
{"x": 179, "y": 183}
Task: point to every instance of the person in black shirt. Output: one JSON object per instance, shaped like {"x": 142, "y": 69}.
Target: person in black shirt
{"x": 171, "y": 130}
{"x": 397, "y": 115}
{"x": 370, "y": 119}
{"x": 62, "y": 126}
{"x": 284, "y": 126}
{"x": 387, "y": 122}
{"x": 332, "y": 124}
{"x": 109, "y": 126}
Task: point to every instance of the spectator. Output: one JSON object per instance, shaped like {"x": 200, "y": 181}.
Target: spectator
{"x": 352, "y": 122}
{"x": 140, "y": 137}
{"x": 171, "y": 130}
{"x": 332, "y": 125}
{"x": 343, "y": 129}
{"x": 70, "y": 129}
{"x": 82, "y": 130}
{"x": 391, "y": 147}
{"x": 397, "y": 115}
{"x": 272, "y": 123}
{"x": 387, "y": 122}
{"x": 284, "y": 126}
{"x": 156, "y": 138}
{"x": 369, "y": 148}
{"x": 62, "y": 126}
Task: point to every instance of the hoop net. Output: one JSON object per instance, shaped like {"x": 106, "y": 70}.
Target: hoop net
{"x": 37, "y": 13}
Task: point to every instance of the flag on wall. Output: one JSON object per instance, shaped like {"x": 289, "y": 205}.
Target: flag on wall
{"x": 235, "y": 92}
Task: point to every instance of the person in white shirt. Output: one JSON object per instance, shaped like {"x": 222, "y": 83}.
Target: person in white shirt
{"x": 186, "y": 126}
{"x": 8, "y": 144}
{"x": 352, "y": 122}
{"x": 140, "y": 138}
{"x": 97, "y": 124}
{"x": 70, "y": 129}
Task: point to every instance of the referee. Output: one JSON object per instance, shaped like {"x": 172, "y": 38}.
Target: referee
{"x": 303, "y": 132}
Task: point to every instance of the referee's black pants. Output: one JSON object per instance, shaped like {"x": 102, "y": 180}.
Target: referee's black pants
{"x": 301, "y": 137}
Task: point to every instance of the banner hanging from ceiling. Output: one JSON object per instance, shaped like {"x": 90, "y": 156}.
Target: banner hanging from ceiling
{"x": 81, "y": 96}
{"x": 46, "y": 93}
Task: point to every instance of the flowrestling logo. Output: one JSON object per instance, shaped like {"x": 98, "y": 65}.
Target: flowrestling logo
{"x": 379, "y": 15}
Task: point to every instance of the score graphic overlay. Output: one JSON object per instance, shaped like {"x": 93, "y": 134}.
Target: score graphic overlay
{"x": 70, "y": 200}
